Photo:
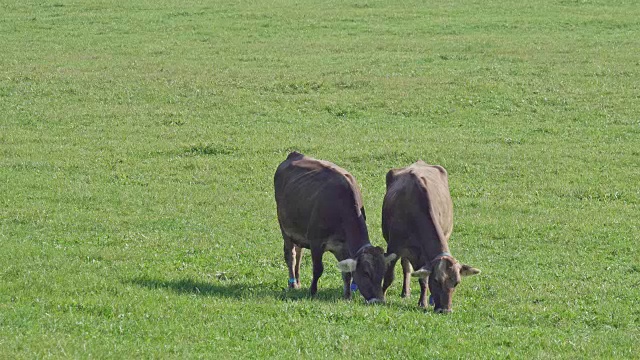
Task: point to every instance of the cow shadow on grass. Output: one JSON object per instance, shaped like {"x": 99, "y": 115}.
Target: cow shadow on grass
{"x": 235, "y": 290}
{"x": 247, "y": 291}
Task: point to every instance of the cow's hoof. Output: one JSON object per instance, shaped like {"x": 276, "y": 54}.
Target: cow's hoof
{"x": 294, "y": 284}
{"x": 405, "y": 294}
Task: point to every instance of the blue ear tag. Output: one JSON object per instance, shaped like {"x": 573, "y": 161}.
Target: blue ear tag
{"x": 354, "y": 286}
{"x": 431, "y": 301}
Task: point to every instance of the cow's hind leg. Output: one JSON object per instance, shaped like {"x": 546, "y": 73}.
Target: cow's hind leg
{"x": 318, "y": 268}
{"x": 296, "y": 269}
{"x": 290, "y": 257}
{"x": 423, "y": 292}
{"x": 406, "y": 281}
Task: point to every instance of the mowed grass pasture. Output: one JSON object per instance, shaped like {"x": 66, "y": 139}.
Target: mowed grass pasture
{"x": 138, "y": 142}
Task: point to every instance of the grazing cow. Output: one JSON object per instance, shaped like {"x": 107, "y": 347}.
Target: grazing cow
{"x": 417, "y": 220}
{"x": 320, "y": 208}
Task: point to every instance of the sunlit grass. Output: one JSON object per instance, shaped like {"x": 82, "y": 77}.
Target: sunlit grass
{"x": 138, "y": 142}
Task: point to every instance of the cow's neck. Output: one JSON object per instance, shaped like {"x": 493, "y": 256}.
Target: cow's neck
{"x": 357, "y": 237}
{"x": 433, "y": 241}
{"x": 435, "y": 249}
{"x": 357, "y": 247}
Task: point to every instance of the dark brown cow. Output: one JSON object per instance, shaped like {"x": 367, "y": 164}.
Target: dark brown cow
{"x": 417, "y": 220}
{"x": 320, "y": 208}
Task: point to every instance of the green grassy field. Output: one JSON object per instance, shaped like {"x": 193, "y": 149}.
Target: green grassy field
{"x": 138, "y": 142}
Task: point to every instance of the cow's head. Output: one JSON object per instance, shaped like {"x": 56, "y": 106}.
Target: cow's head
{"x": 368, "y": 269}
{"x": 444, "y": 275}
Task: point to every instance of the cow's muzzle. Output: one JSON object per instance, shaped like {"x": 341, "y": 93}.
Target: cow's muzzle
{"x": 374, "y": 301}
{"x": 443, "y": 311}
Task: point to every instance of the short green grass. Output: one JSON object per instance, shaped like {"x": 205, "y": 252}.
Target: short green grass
{"x": 138, "y": 142}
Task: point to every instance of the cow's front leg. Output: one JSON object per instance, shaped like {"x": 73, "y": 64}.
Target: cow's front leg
{"x": 346, "y": 279}
{"x": 423, "y": 292}
{"x": 406, "y": 280}
{"x": 389, "y": 276}
{"x": 318, "y": 268}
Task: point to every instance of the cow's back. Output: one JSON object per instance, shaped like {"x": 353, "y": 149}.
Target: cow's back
{"x": 315, "y": 198}
{"x": 417, "y": 196}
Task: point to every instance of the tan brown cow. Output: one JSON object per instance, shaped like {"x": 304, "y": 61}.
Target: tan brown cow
{"x": 417, "y": 220}
{"x": 320, "y": 208}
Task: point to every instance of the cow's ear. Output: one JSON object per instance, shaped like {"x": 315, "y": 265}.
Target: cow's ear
{"x": 348, "y": 265}
{"x": 391, "y": 177}
{"x": 467, "y": 270}
{"x": 389, "y": 258}
{"x": 421, "y": 273}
